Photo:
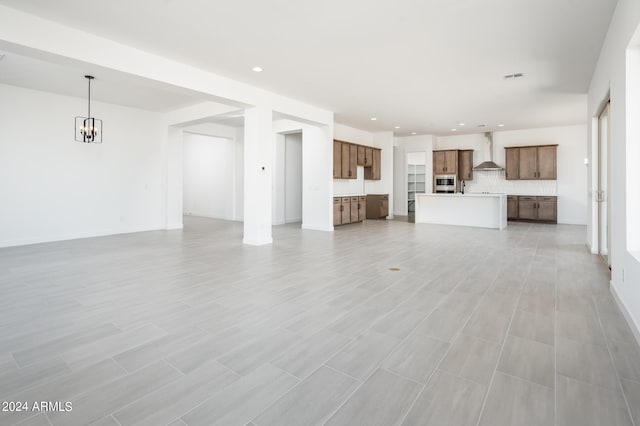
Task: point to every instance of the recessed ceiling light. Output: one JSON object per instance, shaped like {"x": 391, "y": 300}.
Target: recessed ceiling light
{"x": 397, "y": 127}
{"x": 500, "y": 125}
{"x": 414, "y": 133}
{"x": 460, "y": 123}
{"x": 454, "y": 130}
{"x": 257, "y": 69}
{"x": 373, "y": 119}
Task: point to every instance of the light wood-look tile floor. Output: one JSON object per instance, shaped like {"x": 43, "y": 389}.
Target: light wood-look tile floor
{"x": 477, "y": 327}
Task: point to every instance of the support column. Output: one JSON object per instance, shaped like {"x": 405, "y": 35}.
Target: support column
{"x": 258, "y": 170}
{"x": 317, "y": 178}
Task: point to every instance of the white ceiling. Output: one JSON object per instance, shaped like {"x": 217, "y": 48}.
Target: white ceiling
{"x": 108, "y": 86}
{"x": 422, "y": 65}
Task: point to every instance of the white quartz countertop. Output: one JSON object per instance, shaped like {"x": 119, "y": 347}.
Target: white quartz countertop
{"x": 461, "y": 195}
{"x": 480, "y": 210}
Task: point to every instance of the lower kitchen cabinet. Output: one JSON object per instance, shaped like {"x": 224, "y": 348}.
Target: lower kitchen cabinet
{"x": 346, "y": 210}
{"x": 377, "y": 206}
{"x": 548, "y": 209}
{"x": 512, "y": 207}
{"x": 362, "y": 208}
{"x": 532, "y": 208}
{"x": 337, "y": 211}
{"x": 349, "y": 209}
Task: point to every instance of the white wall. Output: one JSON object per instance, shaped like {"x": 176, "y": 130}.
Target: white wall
{"x": 403, "y": 146}
{"x": 236, "y": 135}
{"x": 382, "y": 140}
{"x": 610, "y": 79}
{"x": 208, "y": 176}
{"x": 571, "y": 185}
{"x": 54, "y": 188}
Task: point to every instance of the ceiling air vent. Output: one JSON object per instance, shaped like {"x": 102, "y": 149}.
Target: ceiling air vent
{"x": 512, "y": 76}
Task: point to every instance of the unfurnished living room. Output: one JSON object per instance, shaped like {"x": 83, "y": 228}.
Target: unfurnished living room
{"x": 295, "y": 213}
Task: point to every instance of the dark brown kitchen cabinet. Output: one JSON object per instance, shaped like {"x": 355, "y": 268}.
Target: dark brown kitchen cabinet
{"x": 368, "y": 156}
{"x": 465, "y": 164}
{"x": 528, "y": 167}
{"x": 512, "y": 163}
{"x": 532, "y": 208}
{"x": 353, "y": 161}
{"x": 362, "y": 208}
{"x": 512, "y": 207}
{"x": 348, "y": 156}
{"x": 361, "y": 155}
{"x": 375, "y": 164}
{"x": 445, "y": 162}
{"x": 346, "y": 210}
{"x": 527, "y": 208}
{"x": 377, "y": 206}
{"x": 548, "y": 209}
{"x": 337, "y": 211}
{"x": 345, "y": 160}
{"x": 547, "y": 162}
{"x": 373, "y": 172}
{"x": 531, "y": 162}
{"x": 349, "y": 209}
{"x": 337, "y": 159}
{"x": 354, "y": 209}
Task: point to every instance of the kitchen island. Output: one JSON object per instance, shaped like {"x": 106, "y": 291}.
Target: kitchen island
{"x": 479, "y": 210}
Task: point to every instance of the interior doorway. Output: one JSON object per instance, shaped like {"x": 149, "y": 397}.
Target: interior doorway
{"x": 287, "y": 207}
{"x": 416, "y": 180}
{"x": 208, "y": 176}
{"x": 603, "y": 191}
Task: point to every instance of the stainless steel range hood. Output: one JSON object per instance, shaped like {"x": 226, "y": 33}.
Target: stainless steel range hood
{"x": 488, "y": 165}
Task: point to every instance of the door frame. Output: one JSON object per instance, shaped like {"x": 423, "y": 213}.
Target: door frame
{"x": 602, "y": 171}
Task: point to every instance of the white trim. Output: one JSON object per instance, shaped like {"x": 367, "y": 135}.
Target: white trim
{"x": 317, "y": 228}
{"x": 262, "y": 242}
{"x": 635, "y": 327}
{"x": 171, "y": 226}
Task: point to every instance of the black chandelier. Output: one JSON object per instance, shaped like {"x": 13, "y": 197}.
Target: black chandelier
{"x": 88, "y": 129}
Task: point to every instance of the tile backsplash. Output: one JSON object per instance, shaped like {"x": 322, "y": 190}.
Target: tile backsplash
{"x": 495, "y": 182}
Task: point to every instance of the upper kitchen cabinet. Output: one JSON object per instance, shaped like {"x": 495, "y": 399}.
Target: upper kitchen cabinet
{"x": 465, "y": 164}
{"x": 547, "y": 162}
{"x": 348, "y": 156}
{"x": 445, "y": 162}
{"x": 512, "y": 167}
{"x": 368, "y": 156}
{"x": 373, "y": 172}
{"x": 353, "y": 161}
{"x": 345, "y": 159}
{"x": 361, "y": 155}
{"x": 337, "y": 159}
{"x": 531, "y": 162}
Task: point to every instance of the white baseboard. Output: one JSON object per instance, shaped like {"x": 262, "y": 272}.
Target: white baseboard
{"x": 261, "y": 242}
{"x": 317, "y": 228}
{"x": 171, "y": 226}
{"x": 633, "y": 325}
